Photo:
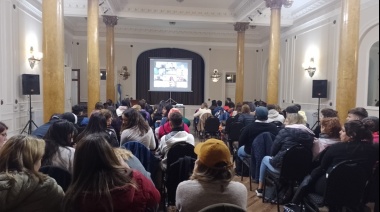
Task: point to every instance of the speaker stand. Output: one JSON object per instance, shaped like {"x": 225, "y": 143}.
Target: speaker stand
{"x": 30, "y": 122}
{"x": 317, "y": 123}
{"x": 170, "y": 99}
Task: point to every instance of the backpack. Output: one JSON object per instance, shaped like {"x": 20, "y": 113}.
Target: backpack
{"x": 219, "y": 113}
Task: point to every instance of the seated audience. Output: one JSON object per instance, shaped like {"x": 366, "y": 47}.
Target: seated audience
{"x": 41, "y": 130}
{"x": 211, "y": 181}
{"x": 82, "y": 119}
{"x": 301, "y": 112}
{"x": 213, "y": 106}
{"x": 58, "y": 150}
{"x": 157, "y": 114}
{"x": 373, "y": 123}
{"x": 110, "y": 130}
{"x": 22, "y": 187}
{"x": 237, "y": 110}
{"x": 98, "y": 107}
{"x": 274, "y": 115}
{"x": 125, "y": 104}
{"x": 245, "y": 116}
{"x": 177, "y": 134}
{"x": 166, "y": 128}
{"x": 3, "y": 133}
{"x": 329, "y": 135}
{"x": 135, "y": 128}
{"x": 204, "y": 109}
{"x": 165, "y": 112}
{"x": 101, "y": 182}
{"x": 357, "y": 113}
{"x": 295, "y": 132}
{"x": 142, "y": 103}
{"x": 251, "y": 131}
{"x": 325, "y": 113}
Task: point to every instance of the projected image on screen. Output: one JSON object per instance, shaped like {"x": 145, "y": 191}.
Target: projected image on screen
{"x": 170, "y": 75}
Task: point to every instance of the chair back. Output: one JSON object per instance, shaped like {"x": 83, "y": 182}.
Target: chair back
{"x": 235, "y": 131}
{"x": 202, "y": 121}
{"x": 261, "y": 146}
{"x": 212, "y": 124}
{"x": 62, "y": 176}
{"x": 346, "y": 182}
{"x": 222, "y": 207}
{"x": 179, "y": 150}
{"x": 296, "y": 163}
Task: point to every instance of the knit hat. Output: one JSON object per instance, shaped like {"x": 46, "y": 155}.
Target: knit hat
{"x": 292, "y": 109}
{"x": 261, "y": 113}
{"x": 212, "y": 152}
{"x": 71, "y": 117}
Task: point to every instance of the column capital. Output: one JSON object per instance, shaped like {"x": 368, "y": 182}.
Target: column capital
{"x": 241, "y": 26}
{"x": 110, "y": 20}
{"x": 277, "y": 4}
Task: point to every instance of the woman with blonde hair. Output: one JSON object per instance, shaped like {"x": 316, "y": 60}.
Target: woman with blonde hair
{"x": 22, "y": 187}
{"x": 102, "y": 183}
{"x": 211, "y": 182}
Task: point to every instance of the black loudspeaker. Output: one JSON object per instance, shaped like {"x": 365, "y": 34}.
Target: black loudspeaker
{"x": 319, "y": 89}
{"x": 30, "y": 84}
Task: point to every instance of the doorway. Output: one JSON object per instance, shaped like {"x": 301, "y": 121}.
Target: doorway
{"x": 230, "y": 83}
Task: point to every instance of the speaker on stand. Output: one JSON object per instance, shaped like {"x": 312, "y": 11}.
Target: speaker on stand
{"x": 30, "y": 86}
{"x": 319, "y": 91}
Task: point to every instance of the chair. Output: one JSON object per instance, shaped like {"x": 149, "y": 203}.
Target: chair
{"x": 62, "y": 176}
{"x": 345, "y": 188}
{"x": 211, "y": 127}
{"x": 180, "y": 164}
{"x": 146, "y": 157}
{"x": 261, "y": 146}
{"x": 296, "y": 165}
{"x": 222, "y": 207}
{"x": 202, "y": 122}
{"x": 233, "y": 135}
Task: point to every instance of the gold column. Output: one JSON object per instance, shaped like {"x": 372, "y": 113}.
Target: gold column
{"x": 240, "y": 27}
{"x": 348, "y": 58}
{"x": 110, "y": 22}
{"x": 93, "y": 70}
{"x": 274, "y": 51}
{"x": 53, "y": 71}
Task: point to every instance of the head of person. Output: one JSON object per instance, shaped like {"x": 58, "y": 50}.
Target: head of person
{"x": 173, "y": 110}
{"x": 108, "y": 115}
{"x": 97, "y": 123}
{"x": 294, "y": 118}
{"x": 371, "y": 121}
{"x": 219, "y": 103}
{"x": 214, "y": 162}
{"x": 298, "y": 106}
{"x": 252, "y": 106}
{"x": 331, "y": 127}
{"x": 55, "y": 116}
{"x": 136, "y": 107}
{"x": 328, "y": 113}
{"x": 245, "y": 109}
{"x": 356, "y": 131}
{"x": 109, "y": 102}
{"x": 132, "y": 118}
{"x": 239, "y": 107}
{"x": 71, "y": 117}
{"x": 261, "y": 113}
{"x": 99, "y": 106}
{"x": 77, "y": 110}
{"x": 175, "y": 120}
{"x": 213, "y": 103}
{"x": 23, "y": 153}
{"x": 96, "y": 171}
{"x": 142, "y": 103}
{"x": 166, "y": 109}
{"x": 3, "y": 133}
{"x": 126, "y": 103}
{"x": 204, "y": 105}
{"x": 271, "y": 107}
{"x": 357, "y": 113}
{"x": 278, "y": 108}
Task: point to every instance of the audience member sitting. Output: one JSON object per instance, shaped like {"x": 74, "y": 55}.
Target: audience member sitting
{"x": 301, "y": 112}
{"x": 102, "y": 182}
{"x": 357, "y": 113}
{"x": 58, "y": 150}
{"x": 204, "y": 109}
{"x": 98, "y": 107}
{"x": 97, "y": 124}
{"x": 82, "y": 120}
{"x": 230, "y": 103}
{"x": 295, "y": 132}
{"x": 135, "y": 128}
{"x": 157, "y": 114}
{"x": 3, "y": 133}
{"x": 245, "y": 116}
{"x": 211, "y": 181}
{"x": 177, "y": 134}
{"x": 41, "y": 130}
{"x": 356, "y": 145}
{"x": 218, "y": 108}
{"x": 251, "y": 131}
{"x": 274, "y": 115}
{"x": 330, "y": 128}
{"x": 165, "y": 112}
{"x": 143, "y": 110}
{"x": 125, "y": 104}
{"x": 110, "y": 130}
{"x": 325, "y": 113}
{"x": 373, "y": 123}
{"x": 213, "y": 106}
{"x": 22, "y": 187}
{"x": 166, "y": 128}
{"x": 237, "y": 110}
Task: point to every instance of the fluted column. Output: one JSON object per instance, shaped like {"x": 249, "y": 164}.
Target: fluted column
{"x": 274, "y": 51}
{"x": 110, "y": 22}
{"x": 53, "y": 65}
{"x": 240, "y": 27}
{"x": 348, "y": 57}
{"x": 93, "y": 70}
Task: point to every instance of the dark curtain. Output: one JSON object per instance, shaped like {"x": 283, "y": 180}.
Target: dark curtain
{"x": 187, "y": 98}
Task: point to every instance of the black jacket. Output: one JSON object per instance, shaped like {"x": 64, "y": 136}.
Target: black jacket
{"x": 251, "y": 131}
{"x": 287, "y": 138}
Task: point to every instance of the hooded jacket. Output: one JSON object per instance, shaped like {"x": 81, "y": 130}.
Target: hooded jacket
{"x": 274, "y": 115}
{"x": 26, "y": 193}
{"x": 289, "y": 136}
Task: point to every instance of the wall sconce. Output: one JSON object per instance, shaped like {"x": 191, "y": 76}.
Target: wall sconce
{"x": 34, "y": 57}
{"x": 310, "y": 67}
{"x": 124, "y": 72}
{"x": 215, "y": 76}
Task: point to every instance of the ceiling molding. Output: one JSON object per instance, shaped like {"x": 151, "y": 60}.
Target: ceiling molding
{"x": 311, "y": 8}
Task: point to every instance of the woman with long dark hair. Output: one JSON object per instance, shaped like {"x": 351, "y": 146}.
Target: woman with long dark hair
{"x": 102, "y": 183}
{"x": 3, "y": 133}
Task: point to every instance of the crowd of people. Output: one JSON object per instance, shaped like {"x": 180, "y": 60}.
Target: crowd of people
{"x": 107, "y": 177}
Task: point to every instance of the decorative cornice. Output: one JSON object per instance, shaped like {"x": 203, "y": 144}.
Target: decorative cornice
{"x": 31, "y": 7}
{"x": 241, "y": 26}
{"x": 313, "y": 6}
{"x": 110, "y": 20}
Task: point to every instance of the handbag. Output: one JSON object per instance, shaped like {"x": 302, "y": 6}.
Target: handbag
{"x": 292, "y": 207}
